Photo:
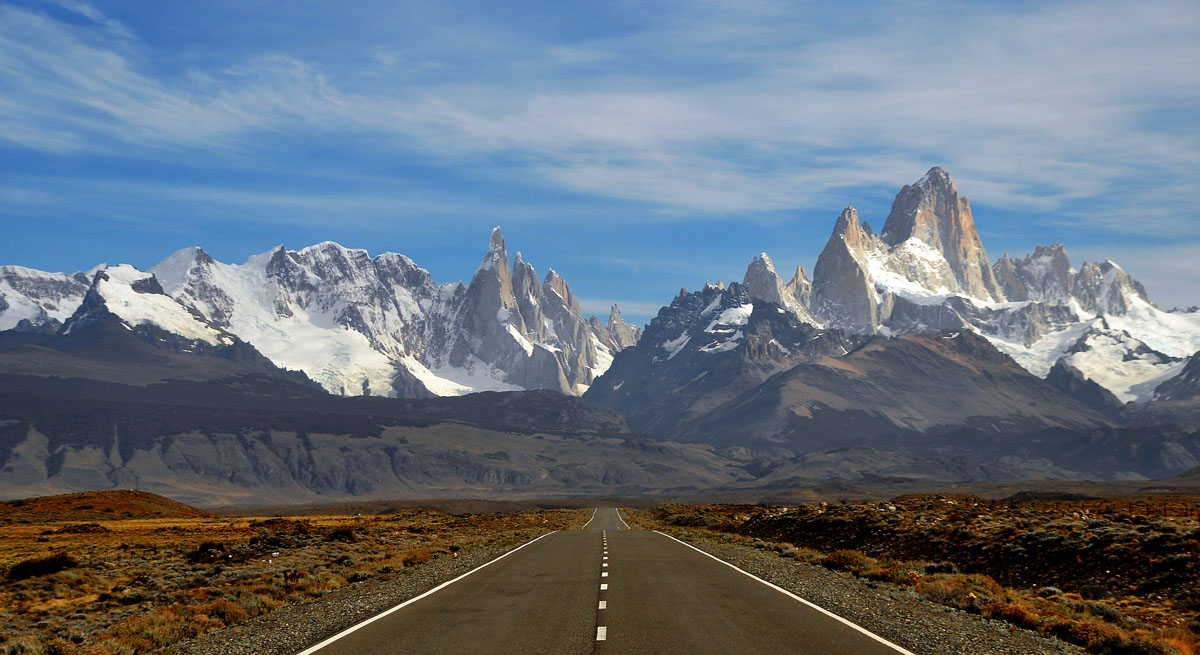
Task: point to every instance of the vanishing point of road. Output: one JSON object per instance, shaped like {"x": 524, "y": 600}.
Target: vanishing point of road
{"x": 605, "y": 589}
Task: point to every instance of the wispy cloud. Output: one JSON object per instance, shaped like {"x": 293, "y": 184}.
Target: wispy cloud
{"x": 723, "y": 109}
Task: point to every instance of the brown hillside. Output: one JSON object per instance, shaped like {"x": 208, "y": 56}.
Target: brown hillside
{"x": 98, "y": 506}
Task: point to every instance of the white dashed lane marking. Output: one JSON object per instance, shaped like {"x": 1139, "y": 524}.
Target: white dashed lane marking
{"x": 601, "y": 633}
{"x": 603, "y": 587}
{"x": 603, "y": 604}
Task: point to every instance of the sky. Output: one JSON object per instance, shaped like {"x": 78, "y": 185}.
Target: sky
{"x": 634, "y": 147}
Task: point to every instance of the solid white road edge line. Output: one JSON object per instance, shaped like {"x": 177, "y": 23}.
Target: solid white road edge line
{"x": 410, "y": 601}
{"x": 591, "y": 519}
{"x": 898, "y": 649}
{"x": 618, "y": 511}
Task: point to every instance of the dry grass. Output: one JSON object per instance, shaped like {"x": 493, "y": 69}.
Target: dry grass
{"x": 126, "y": 586}
{"x": 1089, "y": 573}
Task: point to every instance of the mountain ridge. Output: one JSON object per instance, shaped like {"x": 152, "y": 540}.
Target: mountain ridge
{"x": 354, "y": 323}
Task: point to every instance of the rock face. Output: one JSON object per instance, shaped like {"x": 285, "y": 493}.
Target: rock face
{"x": 1069, "y": 380}
{"x": 1185, "y": 386}
{"x": 932, "y": 212}
{"x": 764, "y": 284}
{"x": 843, "y": 289}
{"x": 356, "y": 324}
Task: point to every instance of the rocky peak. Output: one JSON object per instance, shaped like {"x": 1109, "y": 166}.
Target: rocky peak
{"x": 932, "y": 211}
{"x": 842, "y": 289}
{"x": 554, "y": 284}
{"x": 800, "y": 287}
{"x": 848, "y": 230}
{"x": 1104, "y": 287}
{"x": 762, "y": 282}
{"x": 623, "y": 334}
{"x": 1047, "y": 275}
{"x": 527, "y": 294}
{"x": 1005, "y": 271}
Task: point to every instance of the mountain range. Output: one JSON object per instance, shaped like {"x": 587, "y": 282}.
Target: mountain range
{"x": 381, "y": 325}
{"x": 908, "y": 355}
{"x": 355, "y": 324}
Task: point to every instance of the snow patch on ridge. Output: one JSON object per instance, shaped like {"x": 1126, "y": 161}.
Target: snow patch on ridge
{"x": 675, "y": 345}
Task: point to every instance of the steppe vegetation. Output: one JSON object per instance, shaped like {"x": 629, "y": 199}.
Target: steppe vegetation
{"x": 117, "y": 573}
{"x": 1118, "y": 577}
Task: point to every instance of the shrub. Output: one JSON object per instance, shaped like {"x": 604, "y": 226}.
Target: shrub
{"x": 415, "y": 557}
{"x": 848, "y": 560}
{"x": 345, "y": 533}
{"x": 154, "y": 630}
{"x": 1102, "y": 611}
{"x": 1094, "y": 636}
{"x": 39, "y": 566}
{"x": 1015, "y": 613}
{"x": 206, "y": 553}
{"x": 24, "y": 646}
{"x": 1094, "y": 592}
{"x": 966, "y": 592}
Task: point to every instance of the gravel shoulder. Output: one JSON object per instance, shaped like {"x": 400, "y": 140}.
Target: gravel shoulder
{"x": 291, "y": 629}
{"x": 892, "y": 612}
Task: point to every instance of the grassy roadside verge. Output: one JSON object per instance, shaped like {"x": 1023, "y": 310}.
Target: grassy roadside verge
{"x": 126, "y": 586}
{"x": 1145, "y": 608}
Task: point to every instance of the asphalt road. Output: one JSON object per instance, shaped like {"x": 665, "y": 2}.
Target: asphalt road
{"x": 606, "y": 589}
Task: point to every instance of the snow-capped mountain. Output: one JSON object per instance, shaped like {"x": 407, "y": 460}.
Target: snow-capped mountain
{"x": 32, "y": 299}
{"x": 927, "y": 270}
{"x": 359, "y": 324}
{"x": 137, "y": 300}
{"x": 355, "y": 324}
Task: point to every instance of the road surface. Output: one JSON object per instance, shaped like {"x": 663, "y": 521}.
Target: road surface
{"x": 606, "y": 589}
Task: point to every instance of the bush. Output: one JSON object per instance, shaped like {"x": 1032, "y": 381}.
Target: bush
{"x": 1015, "y": 613}
{"x": 346, "y": 534}
{"x": 39, "y": 566}
{"x": 966, "y": 592}
{"x": 206, "y": 553}
{"x": 848, "y": 560}
{"x": 416, "y": 557}
{"x": 1096, "y": 637}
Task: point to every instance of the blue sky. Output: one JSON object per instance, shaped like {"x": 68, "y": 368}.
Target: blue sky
{"x": 634, "y": 147}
